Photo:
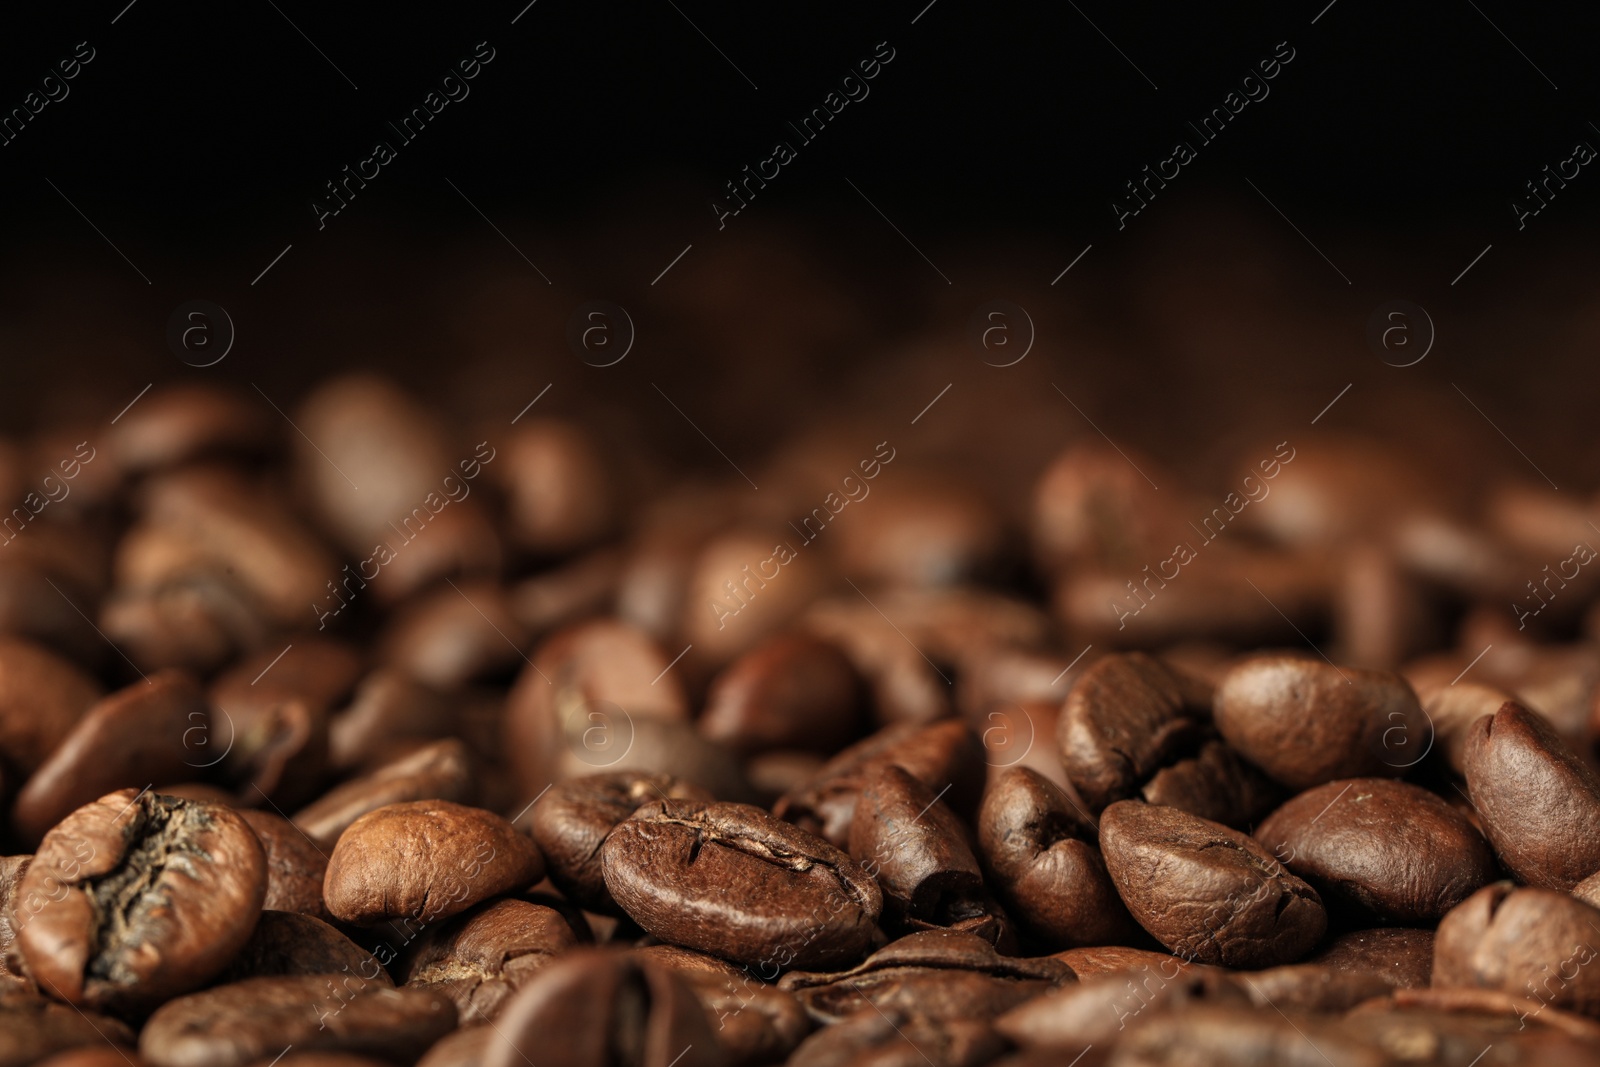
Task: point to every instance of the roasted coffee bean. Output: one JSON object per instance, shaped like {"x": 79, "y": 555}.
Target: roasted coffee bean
{"x": 295, "y": 866}
{"x": 1384, "y": 849}
{"x": 906, "y": 687}
{"x": 138, "y": 897}
{"x": 480, "y": 958}
{"x": 943, "y": 755}
{"x": 134, "y": 736}
{"x": 558, "y": 486}
{"x": 942, "y": 973}
{"x": 288, "y": 943}
{"x": 586, "y": 586}
{"x": 1403, "y": 956}
{"x": 454, "y": 635}
{"x": 1526, "y": 942}
{"x": 1306, "y": 722}
{"x": 32, "y": 1027}
{"x": 731, "y": 880}
{"x": 1097, "y": 1010}
{"x": 1046, "y": 864}
{"x": 240, "y": 1023}
{"x": 746, "y": 585}
{"x": 594, "y": 1007}
{"x": 571, "y": 821}
{"x": 1538, "y": 801}
{"x": 42, "y": 697}
{"x": 1452, "y": 710}
{"x": 425, "y": 860}
{"x": 1103, "y": 959}
{"x": 1206, "y": 892}
{"x": 1587, "y": 890}
{"x": 95, "y": 1056}
{"x": 922, "y": 858}
{"x": 441, "y": 771}
{"x": 755, "y": 1022}
{"x": 792, "y": 691}
{"x": 575, "y": 708}
{"x": 1123, "y": 721}
{"x": 899, "y": 1039}
{"x": 465, "y": 1047}
{"x": 1092, "y": 504}
{"x": 181, "y": 422}
{"x": 660, "y": 747}
{"x": 387, "y": 710}
{"x": 1313, "y": 987}
{"x": 1215, "y": 784}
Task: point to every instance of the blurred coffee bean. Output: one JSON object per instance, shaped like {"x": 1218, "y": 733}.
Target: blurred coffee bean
{"x": 1093, "y": 503}
{"x": 923, "y": 532}
{"x": 744, "y": 587}
{"x": 480, "y": 958}
{"x": 1206, "y": 892}
{"x": 425, "y": 860}
{"x": 906, "y": 686}
{"x": 946, "y": 754}
{"x": 941, "y": 973}
{"x": 389, "y": 708}
{"x": 1527, "y": 942}
{"x": 443, "y": 771}
{"x": 289, "y": 943}
{"x": 1380, "y": 613}
{"x": 42, "y": 697}
{"x": 182, "y": 422}
{"x": 791, "y": 691}
{"x": 135, "y": 736}
{"x": 1539, "y": 803}
{"x": 136, "y": 898}
{"x": 772, "y": 774}
{"x": 295, "y": 866}
{"x": 13, "y": 974}
{"x": 1306, "y": 722}
{"x": 586, "y": 586}
{"x": 1313, "y": 987}
{"x": 575, "y": 707}
{"x": 596, "y": 1007}
{"x": 1337, "y": 490}
{"x": 245, "y": 1022}
{"x": 1403, "y": 956}
{"x": 1097, "y": 1010}
{"x": 730, "y": 880}
{"x": 1046, "y": 865}
{"x": 1384, "y": 849}
{"x": 559, "y": 490}
{"x": 33, "y": 1028}
{"x": 1103, "y": 959}
{"x": 570, "y": 823}
{"x": 1452, "y": 710}
{"x": 922, "y": 857}
{"x": 454, "y": 635}
{"x": 1215, "y": 784}
{"x": 197, "y": 622}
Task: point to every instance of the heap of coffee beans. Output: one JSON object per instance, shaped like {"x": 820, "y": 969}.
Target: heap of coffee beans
{"x": 354, "y": 737}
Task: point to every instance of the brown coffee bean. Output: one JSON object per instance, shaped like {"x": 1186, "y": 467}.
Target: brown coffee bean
{"x": 287, "y": 943}
{"x": 181, "y": 422}
{"x": 138, "y": 897}
{"x": 1206, "y": 892}
{"x": 461, "y": 545}
{"x": 1587, "y": 890}
{"x": 94, "y": 1056}
{"x": 1452, "y": 710}
{"x": 754, "y": 1022}
{"x": 240, "y": 1023}
{"x": 1092, "y": 504}
{"x": 1045, "y": 863}
{"x": 454, "y": 635}
{"x": 1306, "y": 722}
{"x": 425, "y": 860}
{"x": 1313, "y": 987}
{"x": 387, "y": 710}
{"x": 1539, "y": 802}
{"x": 922, "y": 858}
{"x": 479, "y": 959}
{"x": 1526, "y": 942}
{"x": 321, "y": 1059}
{"x": 441, "y": 771}
{"x": 194, "y": 621}
{"x": 295, "y": 866}
{"x": 1103, "y": 959}
{"x": 747, "y": 585}
{"x": 942, "y": 973}
{"x": 135, "y": 736}
{"x": 588, "y": 585}
{"x": 1214, "y": 1035}
{"x": 42, "y": 697}
{"x": 791, "y": 691}
{"x": 1381, "y": 614}
{"x": 943, "y": 754}
{"x": 574, "y": 710}
{"x": 571, "y": 821}
{"x": 1096, "y": 1011}
{"x": 1123, "y": 721}
{"x": 559, "y": 488}
{"x": 1404, "y": 957}
{"x": 32, "y": 1028}
{"x": 900, "y": 1039}
{"x": 594, "y": 1007}
{"x": 773, "y": 774}
{"x": 12, "y": 972}
{"x": 925, "y": 531}
{"x": 1215, "y": 784}
{"x": 1384, "y": 849}
{"x": 731, "y": 880}
{"x": 466, "y": 1047}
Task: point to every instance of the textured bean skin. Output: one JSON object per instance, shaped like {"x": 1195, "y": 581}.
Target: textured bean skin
{"x": 1384, "y": 848}
{"x": 1208, "y": 893}
{"x": 1534, "y": 943}
{"x": 731, "y": 880}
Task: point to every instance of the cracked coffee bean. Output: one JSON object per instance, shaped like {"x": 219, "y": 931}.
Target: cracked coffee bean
{"x": 731, "y": 880}
{"x": 143, "y": 897}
